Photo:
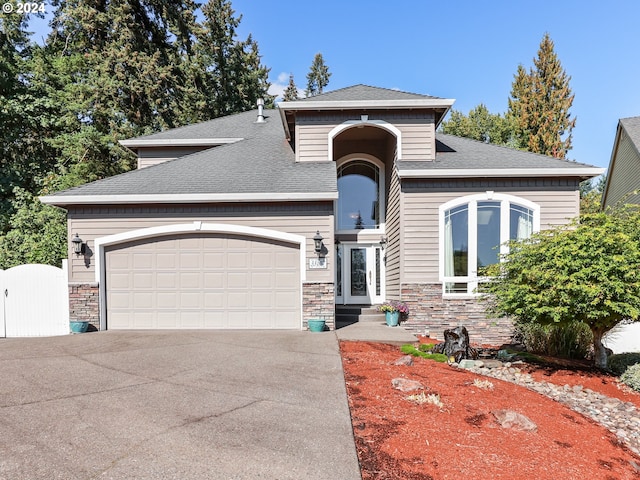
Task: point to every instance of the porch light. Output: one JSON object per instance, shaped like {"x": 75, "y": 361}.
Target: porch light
{"x": 78, "y": 245}
{"x": 317, "y": 240}
{"x": 383, "y": 242}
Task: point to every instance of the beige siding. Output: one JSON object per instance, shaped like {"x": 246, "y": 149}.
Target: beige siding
{"x": 312, "y": 143}
{"x": 153, "y": 156}
{"x": 418, "y": 140}
{"x": 417, "y": 129}
{"x": 625, "y": 174}
{"x": 420, "y": 232}
{"x": 393, "y": 229}
{"x": 95, "y": 222}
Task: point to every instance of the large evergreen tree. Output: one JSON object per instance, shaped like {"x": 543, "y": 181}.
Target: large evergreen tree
{"x": 318, "y": 76}
{"x": 291, "y": 92}
{"x": 107, "y": 71}
{"x": 229, "y": 75}
{"x": 540, "y": 103}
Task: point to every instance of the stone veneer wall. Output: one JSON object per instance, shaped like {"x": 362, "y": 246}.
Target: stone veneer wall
{"x": 318, "y": 301}
{"x": 84, "y": 303}
{"x": 429, "y": 312}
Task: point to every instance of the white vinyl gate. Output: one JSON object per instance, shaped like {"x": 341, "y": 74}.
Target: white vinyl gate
{"x": 35, "y": 301}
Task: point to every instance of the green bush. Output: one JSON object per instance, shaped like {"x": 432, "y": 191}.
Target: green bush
{"x": 571, "y": 340}
{"x": 631, "y": 377}
{"x": 417, "y": 352}
{"x": 619, "y": 363}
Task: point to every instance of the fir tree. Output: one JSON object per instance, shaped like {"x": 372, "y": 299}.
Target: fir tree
{"x": 540, "y": 102}
{"x": 230, "y": 75}
{"x": 291, "y": 92}
{"x": 318, "y": 76}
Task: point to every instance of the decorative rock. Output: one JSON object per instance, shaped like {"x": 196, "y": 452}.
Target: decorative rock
{"x": 620, "y": 418}
{"x": 406, "y": 360}
{"x": 406, "y": 385}
{"x": 515, "y": 420}
{"x": 493, "y": 363}
{"x": 467, "y": 364}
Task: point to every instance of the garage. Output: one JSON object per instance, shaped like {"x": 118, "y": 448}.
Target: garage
{"x": 203, "y": 281}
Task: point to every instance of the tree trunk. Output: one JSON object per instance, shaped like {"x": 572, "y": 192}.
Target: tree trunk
{"x": 599, "y": 350}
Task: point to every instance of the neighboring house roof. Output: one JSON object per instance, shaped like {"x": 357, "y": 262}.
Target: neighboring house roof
{"x": 463, "y": 158}
{"x": 261, "y": 167}
{"x": 623, "y": 176}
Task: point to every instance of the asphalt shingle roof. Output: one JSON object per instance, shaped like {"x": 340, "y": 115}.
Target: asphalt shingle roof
{"x": 632, "y": 126}
{"x": 463, "y": 153}
{"x": 364, "y": 93}
{"x": 261, "y": 163}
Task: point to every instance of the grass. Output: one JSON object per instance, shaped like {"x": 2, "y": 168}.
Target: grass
{"x": 420, "y": 352}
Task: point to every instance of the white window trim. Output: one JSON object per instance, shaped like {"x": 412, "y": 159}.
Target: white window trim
{"x": 472, "y": 201}
{"x": 381, "y": 200}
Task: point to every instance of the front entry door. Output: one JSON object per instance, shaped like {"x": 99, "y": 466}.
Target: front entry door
{"x": 363, "y": 274}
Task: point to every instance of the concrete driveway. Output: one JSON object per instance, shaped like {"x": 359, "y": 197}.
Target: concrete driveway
{"x": 175, "y": 405}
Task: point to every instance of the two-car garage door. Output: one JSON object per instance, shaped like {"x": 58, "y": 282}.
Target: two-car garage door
{"x": 203, "y": 281}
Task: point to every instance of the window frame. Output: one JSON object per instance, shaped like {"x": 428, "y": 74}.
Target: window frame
{"x": 472, "y": 279}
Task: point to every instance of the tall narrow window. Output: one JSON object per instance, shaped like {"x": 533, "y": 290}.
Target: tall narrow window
{"x": 358, "y": 196}
{"x": 474, "y": 230}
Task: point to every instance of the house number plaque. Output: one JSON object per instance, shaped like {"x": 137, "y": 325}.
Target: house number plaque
{"x": 317, "y": 263}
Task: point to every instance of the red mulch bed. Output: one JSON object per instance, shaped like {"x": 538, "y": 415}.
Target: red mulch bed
{"x": 400, "y": 439}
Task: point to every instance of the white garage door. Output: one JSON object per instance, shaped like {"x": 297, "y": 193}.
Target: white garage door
{"x": 203, "y": 281}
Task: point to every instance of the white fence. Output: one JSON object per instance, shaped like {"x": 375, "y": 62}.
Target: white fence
{"x": 35, "y": 301}
{"x": 624, "y": 338}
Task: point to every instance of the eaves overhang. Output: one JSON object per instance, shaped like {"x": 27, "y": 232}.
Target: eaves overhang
{"x": 62, "y": 200}
{"x": 177, "y": 142}
{"x": 579, "y": 172}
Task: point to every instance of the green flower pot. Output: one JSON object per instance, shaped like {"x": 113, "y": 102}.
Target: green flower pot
{"x": 316, "y": 325}
{"x": 392, "y": 318}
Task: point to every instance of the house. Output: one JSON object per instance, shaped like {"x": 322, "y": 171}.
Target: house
{"x": 623, "y": 175}
{"x": 218, "y": 226}
{"x": 623, "y": 180}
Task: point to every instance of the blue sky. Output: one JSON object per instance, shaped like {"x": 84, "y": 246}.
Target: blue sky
{"x": 468, "y": 50}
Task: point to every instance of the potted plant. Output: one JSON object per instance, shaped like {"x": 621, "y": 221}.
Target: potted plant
{"x": 393, "y": 309}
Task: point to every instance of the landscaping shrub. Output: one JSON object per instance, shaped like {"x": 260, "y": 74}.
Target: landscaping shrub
{"x": 571, "y": 340}
{"x": 619, "y": 363}
{"x": 631, "y": 377}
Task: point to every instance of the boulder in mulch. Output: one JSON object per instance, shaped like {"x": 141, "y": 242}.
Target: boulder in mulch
{"x": 406, "y": 385}
{"x": 406, "y": 360}
{"x": 515, "y": 420}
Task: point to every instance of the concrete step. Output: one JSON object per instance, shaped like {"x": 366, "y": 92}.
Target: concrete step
{"x": 358, "y": 313}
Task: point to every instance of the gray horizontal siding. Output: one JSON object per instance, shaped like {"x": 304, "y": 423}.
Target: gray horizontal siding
{"x": 625, "y": 174}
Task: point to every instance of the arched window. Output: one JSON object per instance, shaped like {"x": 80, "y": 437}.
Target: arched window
{"x": 473, "y": 231}
{"x": 359, "y": 196}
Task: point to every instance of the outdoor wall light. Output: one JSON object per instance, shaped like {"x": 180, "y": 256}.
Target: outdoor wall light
{"x": 78, "y": 245}
{"x": 317, "y": 240}
{"x": 383, "y": 242}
